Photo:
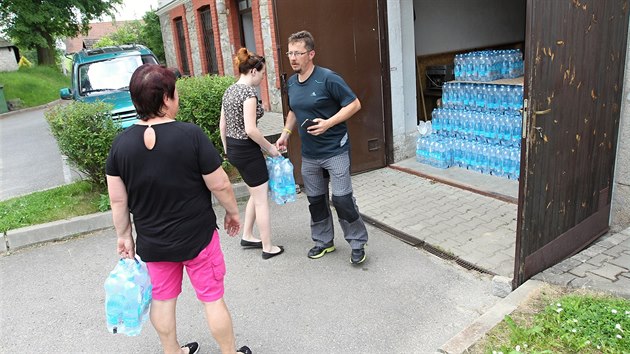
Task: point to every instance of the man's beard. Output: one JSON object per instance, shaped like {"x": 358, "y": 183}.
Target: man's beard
{"x": 297, "y": 71}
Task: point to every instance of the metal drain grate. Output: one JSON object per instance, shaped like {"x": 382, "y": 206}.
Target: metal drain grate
{"x": 415, "y": 242}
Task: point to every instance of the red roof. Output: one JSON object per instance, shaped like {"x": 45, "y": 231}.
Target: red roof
{"x": 97, "y": 31}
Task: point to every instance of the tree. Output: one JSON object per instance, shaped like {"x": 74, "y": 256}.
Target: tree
{"x": 128, "y": 33}
{"x": 37, "y": 24}
{"x": 148, "y": 32}
{"x": 151, "y": 34}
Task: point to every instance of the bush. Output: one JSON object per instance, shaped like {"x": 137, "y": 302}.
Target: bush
{"x": 84, "y": 132}
{"x": 200, "y": 103}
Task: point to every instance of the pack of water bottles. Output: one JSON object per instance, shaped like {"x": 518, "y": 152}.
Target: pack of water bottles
{"x": 127, "y": 297}
{"x": 478, "y": 128}
{"x": 482, "y": 97}
{"x": 281, "y": 181}
{"x": 488, "y": 65}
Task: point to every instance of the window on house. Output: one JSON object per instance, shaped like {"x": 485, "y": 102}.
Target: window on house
{"x": 208, "y": 40}
{"x": 181, "y": 41}
{"x": 246, "y": 23}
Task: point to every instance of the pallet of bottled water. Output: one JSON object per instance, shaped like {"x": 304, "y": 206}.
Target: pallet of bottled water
{"x": 477, "y": 128}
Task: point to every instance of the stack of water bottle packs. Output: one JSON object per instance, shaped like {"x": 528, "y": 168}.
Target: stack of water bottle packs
{"x": 127, "y": 297}
{"x": 488, "y": 65}
{"x": 281, "y": 181}
{"x": 478, "y": 128}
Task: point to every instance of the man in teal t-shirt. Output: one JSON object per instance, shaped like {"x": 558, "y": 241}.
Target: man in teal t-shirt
{"x": 320, "y": 102}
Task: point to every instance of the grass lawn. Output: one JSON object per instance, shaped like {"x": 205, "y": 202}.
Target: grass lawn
{"x": 562, "y": 320}
{"x": 34, "y": 86}
{"x": 59, "y": 203}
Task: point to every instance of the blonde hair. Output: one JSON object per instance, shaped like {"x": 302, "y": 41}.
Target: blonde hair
{"x": 246, "y": 61}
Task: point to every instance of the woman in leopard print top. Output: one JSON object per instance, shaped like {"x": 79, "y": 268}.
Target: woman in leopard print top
{"x": 243, "y": 142}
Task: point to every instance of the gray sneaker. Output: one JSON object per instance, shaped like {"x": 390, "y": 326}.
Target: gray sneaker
{"x": 320, "y": 251}
{"x": 358, "y": 256}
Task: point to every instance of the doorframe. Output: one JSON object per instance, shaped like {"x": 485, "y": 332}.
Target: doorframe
{"x": 388, "y": 133}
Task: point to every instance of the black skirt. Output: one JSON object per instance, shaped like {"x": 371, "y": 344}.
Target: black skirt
{"x": 247, "y": 157}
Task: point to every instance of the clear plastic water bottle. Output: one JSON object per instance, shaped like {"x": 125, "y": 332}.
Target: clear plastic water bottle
{"x": 458, "y": 64}
{"x": 494, "y": 160}
{"x": 468, "y": 76}
{"x": 516, "y": 129}
{"x": 436, "y": 121}
{"x": 516, "y": 154}
{"x": 484, "y": 67}
{"x": 278, "y": 191}
{"x": 518, "y": 97}
{"x": 476, "y": 60}
{"x": 514, "y": 163}
{"x": 288, "y": 180}
{"x": 484, "y": 162}
{"x": 446, "y": 95}
{"x": 504, "y": 101}
{"x": 114, "y": 302}
{"x": 506, "y": 162}
{"x": 132, "y": 310}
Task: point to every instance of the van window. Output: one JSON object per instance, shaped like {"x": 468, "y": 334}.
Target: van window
{"x": 111, "y": 74}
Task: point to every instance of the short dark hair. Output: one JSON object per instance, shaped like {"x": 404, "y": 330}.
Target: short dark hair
{"x": 148, "y": 86}
{"x": 303, "y": 36}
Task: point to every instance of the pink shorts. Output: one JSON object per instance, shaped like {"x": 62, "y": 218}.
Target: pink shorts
{"x": 206, "y": 272}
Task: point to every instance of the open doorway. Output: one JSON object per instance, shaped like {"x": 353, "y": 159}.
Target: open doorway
{"x": 568, "y": 133}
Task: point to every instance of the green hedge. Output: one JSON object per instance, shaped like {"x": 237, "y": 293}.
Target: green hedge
{"x": 84, "y": 133}
{"x": 200, "y": 103}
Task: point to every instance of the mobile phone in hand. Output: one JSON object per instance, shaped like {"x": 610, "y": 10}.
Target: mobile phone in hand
{"x": 308, "y": 123}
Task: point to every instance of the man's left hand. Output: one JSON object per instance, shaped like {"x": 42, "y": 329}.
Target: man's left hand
{"x": 319, "y": 128}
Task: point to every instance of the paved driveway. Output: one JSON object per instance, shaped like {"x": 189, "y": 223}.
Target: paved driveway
{"x": 29, "y": 157}
{"x": 402, "y": 300}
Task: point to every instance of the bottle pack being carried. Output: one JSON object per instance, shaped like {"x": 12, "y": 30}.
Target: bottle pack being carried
{"x": 127, "y": 297}
{"x": 281, "y": 181}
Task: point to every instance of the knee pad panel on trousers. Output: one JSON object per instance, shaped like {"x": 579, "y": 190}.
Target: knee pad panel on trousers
{"x": 345, "y": 207}
{"x": 318, "y": 208}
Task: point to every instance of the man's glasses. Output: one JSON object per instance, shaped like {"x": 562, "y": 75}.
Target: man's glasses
{"x": 295, "y": 54}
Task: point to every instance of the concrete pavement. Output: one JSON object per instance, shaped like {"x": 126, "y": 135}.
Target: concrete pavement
{"x": 470, "y": 229}
{"x": 402, "y": 300}
{"x": 478, "y": 231}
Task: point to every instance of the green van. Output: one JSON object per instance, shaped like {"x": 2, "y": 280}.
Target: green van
{"x": 104, "y": 73}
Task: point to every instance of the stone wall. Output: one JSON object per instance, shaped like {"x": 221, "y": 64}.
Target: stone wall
{"x": 620, "y": 213}
{"x": 169, "y": 41}
{"x": 7, "y": 59}
{"x": 193, "y": 40}
{"x": 275, "y": 99}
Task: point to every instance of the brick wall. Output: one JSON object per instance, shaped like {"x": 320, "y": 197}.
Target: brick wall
{"x": 227, "y": 41}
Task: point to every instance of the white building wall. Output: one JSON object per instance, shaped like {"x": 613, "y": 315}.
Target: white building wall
{"x": 403, "y": 79}
{"x": 7, "y": 59}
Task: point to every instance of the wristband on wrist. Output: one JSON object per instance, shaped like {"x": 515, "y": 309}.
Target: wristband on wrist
{"x": 287, "y": 130}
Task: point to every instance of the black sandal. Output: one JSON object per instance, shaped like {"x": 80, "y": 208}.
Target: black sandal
{"x": 244, "y": 349}
{"x": 193, "y": 347}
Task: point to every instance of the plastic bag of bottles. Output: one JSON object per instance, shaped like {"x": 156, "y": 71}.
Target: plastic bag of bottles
{"x": 127, "y": 297}
{"x": 281, "y": 181}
